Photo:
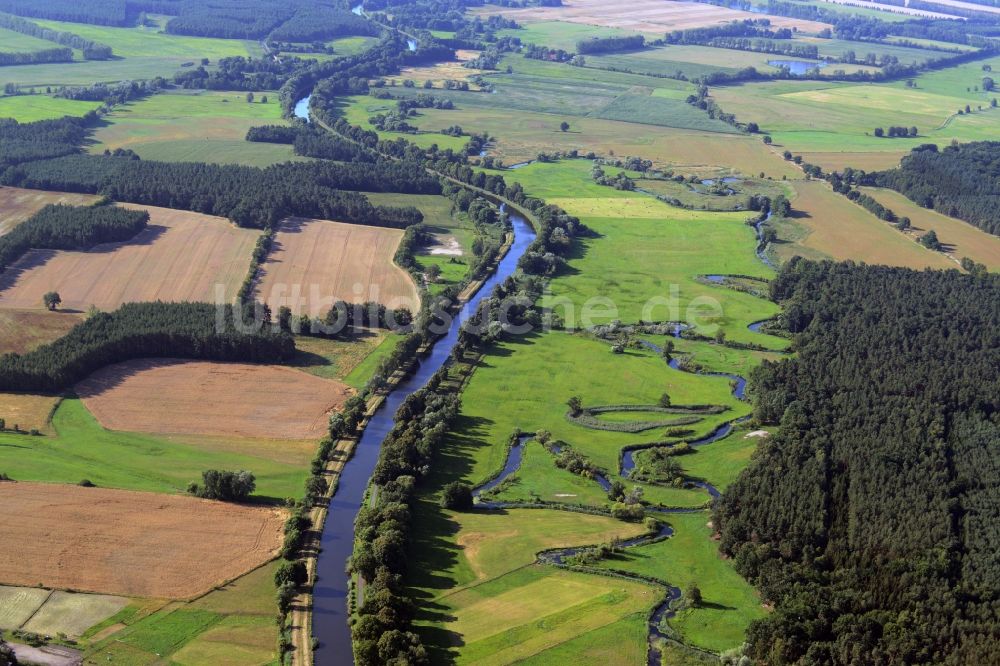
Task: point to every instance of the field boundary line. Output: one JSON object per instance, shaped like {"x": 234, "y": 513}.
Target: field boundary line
{"x": 35, "y": 612}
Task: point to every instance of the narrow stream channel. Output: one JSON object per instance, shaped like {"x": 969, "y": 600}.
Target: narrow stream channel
{"x": 330, "y": 594}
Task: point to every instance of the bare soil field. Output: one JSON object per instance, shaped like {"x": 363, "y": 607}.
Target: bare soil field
{"x": 17, "y": 205}
{"x": 169, "y": 396}
{"x": 443, "y": 71}
{"x": 24, "y": 330}
{"x": 316, "y": 262}
{"x": 129, "y": 543}
{"x": 845, "y": 231}
{"x": 644, "y": 15}
{"x": 27, "y": 411}
{"x": 180, "y": 256}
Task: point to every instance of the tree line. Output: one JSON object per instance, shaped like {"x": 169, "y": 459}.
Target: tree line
{"x": 43, "y": 139}
{"x": 310, "y": 141}
{"x": 249, "y": 196}
{"x": 610, "y": 44}
{"x": 869, "y": 519}
{"x": 959, "y": 181}
{"x": 61, "y": 227}
{"x": 91, "y": 50}
{"x": 140, "y": 330}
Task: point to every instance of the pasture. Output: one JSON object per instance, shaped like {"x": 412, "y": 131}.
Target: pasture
{"x": 180, "y": 256}
{"x": 838, "y": 228}
{"x": 71, "y": 613}
{"x": 128, "y": 543}
{"x": 82, "y": 449}
{"x": 626, "y": 260}
{"x": 172, "y": 397}
{"x": 642, "y": 15}
{"x": 563, "y": 34}
{"x": 18, "y": 204}
{"x": 357, "y": 109}
{"x": 29, "y": 108}
{"x": 15, "y": 42}
{"x": 343, "y": 359}
{"x": 202, "y": 126}
{"x": 314, "y": 263}
{"x": 690, "y": 557}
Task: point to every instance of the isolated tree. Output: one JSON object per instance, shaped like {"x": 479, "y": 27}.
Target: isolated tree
{"x": 263, "y": 99}
{"x": 52, "y": 300}
{"x": 988, "y": 83}
{"x": 433, "y": 272}
{"x": 665, "y": 399}
{"x": 753, "y": 128}
{"x": 456, "y": 496}
{"x": 767, "y": 140}
{"x": 564, "y": 126}
{"x": 720, "y": 336}
{"x": 693, "y": 595}
{"x": 879, "y": 132}
{"x": 903, "y": 224}
{"x": 249, "y": 98}
{"x": 930, "y": 240}
{"x": 224, "y": 485}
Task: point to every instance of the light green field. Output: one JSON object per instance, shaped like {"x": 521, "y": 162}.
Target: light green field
{"x": 690, "y": 557}
{"x": 149, "y": 42}
{"x": 232, "y": 625}
{"x": 17, "y": 604}
{"x": 538, "y": 477}
{"x": 357, "y": 109}
{"x": 347, "y": 46}
{"x": 72, "y": 614}
{"x": 15, "y": 42}
{"x": 204, "y": 126}
{"x": 480, "y": 589}
{"x": 563, "y": 35}
{"x": 140, "y": 53}
{"x": 29, "y": 108}
{"x": 82, "y": 449}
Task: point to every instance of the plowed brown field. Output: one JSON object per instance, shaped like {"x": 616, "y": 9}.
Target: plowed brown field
{"x": 129, "y": 543}
{"x": 316, "y": 262}
{"x": 180, "y": 256}
{"x": 168, "y": 396}
{"x": 644, "y": 15}
{"x": 17, "y": 205}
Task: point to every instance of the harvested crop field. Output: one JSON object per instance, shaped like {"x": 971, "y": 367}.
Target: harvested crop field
{"x": 644, "y": 15}
{"x": 24, "y": 330}
{"x": 27, "y": 411}
{"x": 17, "y": 204}
{"x": 169, "y": 396}
{"x": 180, "y": 256}
{"x": 316, "y": 262}
{"x": 129, "y": 543}
{"x": 845, "y": 231}
{"x": 443, "y": 71}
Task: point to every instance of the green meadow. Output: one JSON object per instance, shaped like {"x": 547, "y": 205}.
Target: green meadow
{"x": 562, "y": 34}
{"x": 690, "y": 557}
{"x": 29, "y": 108}
{"x": 15, "y": 42}
{"x": 357, "y": 109}
{"x": 82, "y": 449}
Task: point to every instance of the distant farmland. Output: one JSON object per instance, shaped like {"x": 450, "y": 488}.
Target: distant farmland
{"x": 180, "y": 256}
{"x": 164, "y": 396}
{"x": 128, "y": 543}
{"x": 315, "y": 262}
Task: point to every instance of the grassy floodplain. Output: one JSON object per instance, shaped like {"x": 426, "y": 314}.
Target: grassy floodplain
{"x": 203, "y": 126}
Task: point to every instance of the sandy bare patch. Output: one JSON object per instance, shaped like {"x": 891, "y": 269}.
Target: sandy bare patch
{"x": 17, "y": 205}
{"x": 447, "y": 246}
{"x": 169, "y": 396}
{"x": 644, "y": 15}
{"x": 180, "y": 256}
{"x": 316, "y": 262}
{"x": 129, "y": 543}
{"x": 757, "y": 433}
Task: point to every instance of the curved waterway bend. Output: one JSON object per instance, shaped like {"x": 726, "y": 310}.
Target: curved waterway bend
{"x": 330, "y": 615}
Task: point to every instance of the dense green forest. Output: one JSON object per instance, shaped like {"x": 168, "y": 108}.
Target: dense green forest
{"x": 249, "y": 196}
{"x": 310, "y": 141}
{"x": 58, "y": 227}
{"x": 138, "y": 330}
{"x": 871, "y": 519}
{"x": 962, "y": 181}
{"x": 24, "y": 142}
